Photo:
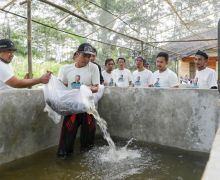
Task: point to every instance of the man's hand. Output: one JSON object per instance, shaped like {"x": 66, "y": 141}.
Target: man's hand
{"x": 44, "y": 79}
{"x": 94, "y": 89}
{"x": 105, "y": 83}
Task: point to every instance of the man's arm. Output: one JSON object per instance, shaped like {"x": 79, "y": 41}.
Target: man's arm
{"x": 174, "y": 82}
{"x": 24, "y": 83}
{"x": 212, "y": 81}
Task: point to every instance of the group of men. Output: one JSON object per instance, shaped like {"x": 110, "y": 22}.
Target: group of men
{"x": 85, "y": 71}
{"x": 142, "y": 77}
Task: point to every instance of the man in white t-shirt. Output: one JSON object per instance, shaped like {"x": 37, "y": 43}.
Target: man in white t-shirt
{"x": 82, "y": 71}
{"x": 123, "y": 76}
{"x": 205, "y": 77}
{"x": 108, "y": 74}
{"x": 164, "y": 77}
{"x": 141, "y": 77}
{"x": 7, "y": 78}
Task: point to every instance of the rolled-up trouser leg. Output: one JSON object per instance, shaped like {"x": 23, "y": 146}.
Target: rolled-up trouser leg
{"x": 87, "y": 132}
{"x": 68, "y": 135}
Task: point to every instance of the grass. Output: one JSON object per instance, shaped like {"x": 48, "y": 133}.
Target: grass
{"x": 20, "y": 66}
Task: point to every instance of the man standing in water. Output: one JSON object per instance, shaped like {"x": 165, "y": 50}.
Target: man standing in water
{"x": 164, "y": 77}
{"x": 123, "y": 76}
{"x": 7, "y": 78}
{"x": 205, "y": 77}
{"x": 89, "y": 75}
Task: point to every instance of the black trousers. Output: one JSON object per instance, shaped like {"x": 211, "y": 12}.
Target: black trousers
{"x": 69, "y": 131}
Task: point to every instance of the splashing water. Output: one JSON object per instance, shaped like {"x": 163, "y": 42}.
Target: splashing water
{"x": 114, "y": 162}
{"x": 114, "y": 154}
{"x": 103, "y": 163}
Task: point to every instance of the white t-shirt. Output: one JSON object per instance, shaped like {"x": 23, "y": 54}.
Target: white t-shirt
{"x": 6, "y": 73}
{"x": 142, "y": 78}
{"x": 109, "y": 79}
{"x": 206, "y": 78}
{"x": 74, "y": 77}
{"x": 122, "y": 77}
{"x": 165, "y": 79}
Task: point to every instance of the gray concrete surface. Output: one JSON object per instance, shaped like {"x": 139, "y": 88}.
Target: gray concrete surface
{"x": 24, "y": 127}
{"x": 182, "y": 118}
{"x": 212, "y": 168}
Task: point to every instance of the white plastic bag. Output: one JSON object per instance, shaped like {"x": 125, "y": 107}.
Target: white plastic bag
{"x": 66, "y": 101}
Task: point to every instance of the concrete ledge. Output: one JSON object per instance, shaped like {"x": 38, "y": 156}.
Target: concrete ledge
{"x": 182, "y": 118}
{"x": 212, "y": 168}
{"x": 24, "y": 127}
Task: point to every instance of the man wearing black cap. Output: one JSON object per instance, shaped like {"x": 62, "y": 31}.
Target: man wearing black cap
{"x": 7, "y": 78}
{"x": 86, "y": 73}
{"x": 205, "y": 77}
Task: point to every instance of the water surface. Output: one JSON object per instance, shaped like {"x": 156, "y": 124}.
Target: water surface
{"x": 140, "y": 161}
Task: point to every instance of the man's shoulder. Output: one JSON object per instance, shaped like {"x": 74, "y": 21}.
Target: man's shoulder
{"x": 115, "y": 71}
{"x": 66, "y": 66}
{"x": 147, "y": 72}
{"x": 172, "y": 73}
{"x": 96, "y": 64}
{"x": 2, "y": 64}
{"x": 156, "y": 72}
{"x": 92, "y": 65}
{"x": 135, "y": 72}
{"x": 5, "y": 67}
{"x": 210, "y": 70}
{"x": 127, "y": 70}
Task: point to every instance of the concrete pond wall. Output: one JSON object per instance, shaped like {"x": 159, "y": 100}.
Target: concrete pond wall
{"x": 182, "y": 118}
{"x": 24, "y": 127}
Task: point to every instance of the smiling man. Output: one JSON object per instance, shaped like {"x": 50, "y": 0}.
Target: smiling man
{"x": 7, "y": 78}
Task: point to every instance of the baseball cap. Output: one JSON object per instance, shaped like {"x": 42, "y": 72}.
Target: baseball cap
{"x": 201, "y": 53}
{"x": 7, "y": 45}
{"x": 86, "y": 48}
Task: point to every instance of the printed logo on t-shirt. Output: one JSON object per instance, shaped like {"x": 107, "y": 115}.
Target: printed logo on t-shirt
{"x": 195, "y": 82}
{"x": 157, "y": 84}
{"x": 76, "y": 84}
{"x": 138, "y": 81}
{"x": 111, "y": 83}
{"x": 121, "y": 78}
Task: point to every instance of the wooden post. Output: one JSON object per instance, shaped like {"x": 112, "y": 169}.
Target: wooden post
{"x": 29, "y": 37}
{"x": 219, "y": 55}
